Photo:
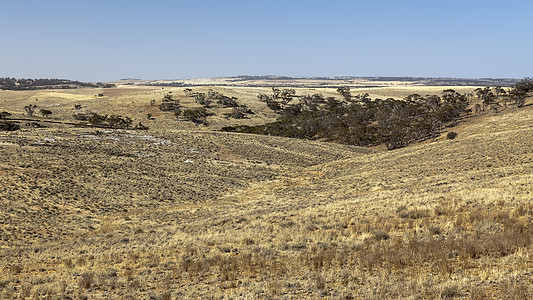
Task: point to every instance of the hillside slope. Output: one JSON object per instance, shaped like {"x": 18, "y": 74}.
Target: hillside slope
{"x": 188, "y": 214}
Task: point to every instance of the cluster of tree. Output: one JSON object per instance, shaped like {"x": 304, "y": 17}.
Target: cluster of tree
{"x": 30, "y": 110}
{"x": 497, "y": 97}
{"x": 240, "y": 112}
{"x": 7, "y": 83}
{"x": 169, "y": 103}
{"x": 105, "y": 121}
{"x": 206, "y": 100}
{"x": 196, "y": 115}
{"x": 359, "y": 120}
{"x": 279, "y": 99}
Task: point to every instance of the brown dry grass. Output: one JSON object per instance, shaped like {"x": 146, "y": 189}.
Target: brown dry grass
{"x": 171, "y": 214}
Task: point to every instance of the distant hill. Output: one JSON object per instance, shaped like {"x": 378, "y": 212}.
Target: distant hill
{"x": 350, "y": 81}
{"x": 16, "y": 84}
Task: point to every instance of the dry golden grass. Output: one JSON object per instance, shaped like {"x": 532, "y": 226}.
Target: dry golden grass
{"x": 187, "y": 214}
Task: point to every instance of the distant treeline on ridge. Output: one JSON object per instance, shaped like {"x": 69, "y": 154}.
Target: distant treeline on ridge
{"x": 16, "y": 84}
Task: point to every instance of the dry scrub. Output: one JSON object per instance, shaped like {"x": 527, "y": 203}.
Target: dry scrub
{"x": 189, "y": 214}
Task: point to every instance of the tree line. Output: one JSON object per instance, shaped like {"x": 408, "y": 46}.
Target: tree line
{"x": 359, "y": 120}
{"x": 7, "y": 83}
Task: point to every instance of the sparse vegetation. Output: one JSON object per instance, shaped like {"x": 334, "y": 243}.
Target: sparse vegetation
{"x": 9, "y": 126}
{"x": 180, "y": 212}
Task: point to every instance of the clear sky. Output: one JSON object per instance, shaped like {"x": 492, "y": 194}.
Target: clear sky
{"x": 113, "y": 39}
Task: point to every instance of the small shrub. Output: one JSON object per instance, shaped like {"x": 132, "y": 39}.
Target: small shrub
{"x": 116, "y": 121}
{"x": 381, "y": 235}
{"x": 16, "y": 269}
{"x": 45, "y": 112}
{"x": 4, "y": 115}
{"x": 9, "y": 126}
{"x": 86, "y": 281}
{"x": 451, "y": 135}
{"x": 450, "y": 292}
{"x": 140, "y": 126}
{"x": 81, "y": 116}
{"x": 434, "y": 230}
{"x": 33, "y": 125}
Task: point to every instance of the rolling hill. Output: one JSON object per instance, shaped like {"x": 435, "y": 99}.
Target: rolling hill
{"x": 185, "y": 212}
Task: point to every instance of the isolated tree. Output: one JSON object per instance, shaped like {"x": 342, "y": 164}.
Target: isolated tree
{"x": 188, "y": 92}
{"x": 525, "y": 85}
{"x": 275, "y": 92}
{"x": 520, "y": 90}
{"x": 518, "y": 97}
{"x": 9, "y": 126}
{"x": 264, "y": 97}
{"x": 345, "y": 92}
{"x": 30, "y": 109}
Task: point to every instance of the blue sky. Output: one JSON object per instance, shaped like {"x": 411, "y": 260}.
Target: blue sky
{"x": 110, "y": 40}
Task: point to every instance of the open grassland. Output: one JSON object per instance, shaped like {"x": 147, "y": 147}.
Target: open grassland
{"x": 177, "y": 214}
{"x": 134, "y": 101}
